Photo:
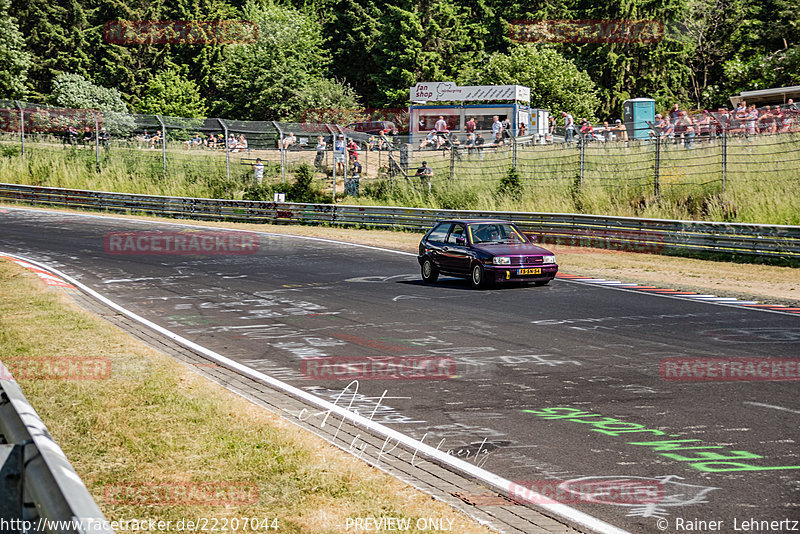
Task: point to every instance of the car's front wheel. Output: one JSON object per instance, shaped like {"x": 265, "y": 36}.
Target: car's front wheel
{"x": 477, "y": 276}
{"x": 429, "y": 271}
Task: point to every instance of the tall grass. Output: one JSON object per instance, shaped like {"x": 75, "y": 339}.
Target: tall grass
{"x": 759, "y": 186}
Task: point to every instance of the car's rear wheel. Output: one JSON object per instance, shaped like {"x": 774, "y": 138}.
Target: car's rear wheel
{"x": 477, "y": 276}
{"x": 429, "y": 271}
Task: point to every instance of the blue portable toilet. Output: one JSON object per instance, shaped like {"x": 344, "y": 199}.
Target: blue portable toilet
{"x": 637, "y": 112}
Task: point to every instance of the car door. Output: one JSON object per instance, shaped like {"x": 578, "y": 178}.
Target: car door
{"x": 455, "y": 254}
{"x": 434, "y": 242}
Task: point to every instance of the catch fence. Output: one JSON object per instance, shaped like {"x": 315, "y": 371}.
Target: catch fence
{"x": 224, "y": 152}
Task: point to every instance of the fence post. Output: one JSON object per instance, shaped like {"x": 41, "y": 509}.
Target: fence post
{"x": 96, "y": 141}
{"x": 281, "y": 151}
{"x": 452, "y": 159}
{"x": 163, "y": 142}
{"x": 724, "y": 158}
{"x": 21, "y": 125}
{"x": 583, "y": 159}
{"x": 514, "y": 153}
{"x": 227, "y": 149}
{"x": 333, "y": 150}
{"x": 657, "y": 167}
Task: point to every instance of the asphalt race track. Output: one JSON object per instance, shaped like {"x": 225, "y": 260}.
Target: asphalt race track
{"x": 572, "y": 384}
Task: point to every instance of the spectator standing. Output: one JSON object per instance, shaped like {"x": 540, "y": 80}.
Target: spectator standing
{"x": 441, "y": 131}
{"x": 352, "y": 150}
{"x": 675, "y": 113}
{"x": 569, "y": 126}
{"x": 321, "y": 146}
{"x": 104, "y": 137}
{"x": 479, "y": 143}
{"x": 704, "y": 125}
{"x": 620, "y": 132}
{"x": 339, "y": 155}
{"x": 471, "y": 125}
{"x": 497, "y": 127}
{"x": 751, "y": 120}
{"x": 425, "y": 173}
{"x": 258, "y": 172}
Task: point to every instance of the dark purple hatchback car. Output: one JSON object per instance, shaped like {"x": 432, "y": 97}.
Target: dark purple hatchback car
{"x": 484, "y": 251}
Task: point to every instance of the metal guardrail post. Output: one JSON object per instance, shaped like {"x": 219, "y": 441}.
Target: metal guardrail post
{"x": 21, "y": 125}
{"x": 227, "y": 149}
{"x": 163, "y": 142}
{"x": 281, "y": 151}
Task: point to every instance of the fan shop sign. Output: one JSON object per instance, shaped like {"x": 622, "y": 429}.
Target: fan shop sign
{"x": 450, "y": 92}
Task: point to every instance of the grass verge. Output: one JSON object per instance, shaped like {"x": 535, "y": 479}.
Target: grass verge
{"x": 156, "y": 424}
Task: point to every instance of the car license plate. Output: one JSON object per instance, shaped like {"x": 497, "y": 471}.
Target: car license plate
{"x": 538, "y": 270}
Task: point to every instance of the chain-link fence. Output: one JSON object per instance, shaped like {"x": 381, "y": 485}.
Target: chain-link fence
{"x": 215, "y": 150}
{"x": 695, "y": 155}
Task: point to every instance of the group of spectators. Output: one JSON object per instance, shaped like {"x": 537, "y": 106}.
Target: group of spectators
{"x": 743, "y": 121}
{"x": 72, "y": 136}
{"x": 441, "y": 138}
{"x": 214, "y": 141}
{"x": 680, "y": 125}
{"x": 606, "y": 132}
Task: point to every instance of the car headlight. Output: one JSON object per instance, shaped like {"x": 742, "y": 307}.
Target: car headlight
{"x": 548, "y": 259}
{"x": 501, "y": 260}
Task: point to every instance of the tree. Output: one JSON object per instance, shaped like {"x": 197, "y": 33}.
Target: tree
{"x": 270, "y": 79}
{"x": 75, "y": 91}
{"x": 426, "y": 40}
{"x": 556, "y": 83}
{"x": 633, "y": 67}
{"x": 55, "y": 35}
{"x": 351, "y": 28}
{"x": 171, "y": 93}
{"x": 14, "y": 59}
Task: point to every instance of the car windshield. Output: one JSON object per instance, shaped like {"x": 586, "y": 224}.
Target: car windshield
{"x": 483, "y": 233}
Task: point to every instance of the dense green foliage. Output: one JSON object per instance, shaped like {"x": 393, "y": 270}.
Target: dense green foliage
{"x": 314, "y": 56}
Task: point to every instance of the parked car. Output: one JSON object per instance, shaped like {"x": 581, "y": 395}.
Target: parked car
{"x": 484, "y": 251}
{"x": 373, "y": 127}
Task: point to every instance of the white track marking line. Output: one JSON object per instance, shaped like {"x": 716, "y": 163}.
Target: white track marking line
{"x": 499, "y": 483}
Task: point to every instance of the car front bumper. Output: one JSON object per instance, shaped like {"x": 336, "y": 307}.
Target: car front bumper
{"x": 501, "y": 273}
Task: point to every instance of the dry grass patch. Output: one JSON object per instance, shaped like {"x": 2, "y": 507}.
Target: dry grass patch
{"x": 155, "y": 422}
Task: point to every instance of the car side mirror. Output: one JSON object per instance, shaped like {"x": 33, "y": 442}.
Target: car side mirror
{"x": 461, "y": 241}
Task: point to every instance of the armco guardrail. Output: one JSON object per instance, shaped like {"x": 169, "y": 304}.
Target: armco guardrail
{"x": 622, "y": 233}
{"x": 39, "y": 489}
